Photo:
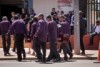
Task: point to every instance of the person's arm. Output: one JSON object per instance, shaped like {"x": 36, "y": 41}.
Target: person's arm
{"x": 11, "y": 29}
{"x": 97, "y": 30}
{"x": 25, "y": 29}
{"x": 69, "y": 29}
{"x": 0, "y": 25}
{"x": 32, "y": 31}
{"x": 37, "y": 29}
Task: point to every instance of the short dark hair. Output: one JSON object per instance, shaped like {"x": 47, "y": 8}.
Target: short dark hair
{"x": 62, "y": 16}
{"x": 48, "y": 16}
{"x": 98, "y": 21}
{"x": 53, "y": 8}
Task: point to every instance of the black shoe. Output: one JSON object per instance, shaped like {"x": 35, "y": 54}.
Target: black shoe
{"x": 44, "y": 61}
{"x": 19, "y": 60}
{"x": 5, "y": 54}
{"x": 24, "y": 58}
{"x": 66, "y": 58}
{"x": 13, "y": 50}
{"x": 48, "y": 60}
{"x": 57, "y": 60}
{"x": 38, "y": 61}
{"x": 8, "y": 54}
{"x": 71, "y": 56}
{"x": 83, "y": 53}
{"x": 59, "y": 51}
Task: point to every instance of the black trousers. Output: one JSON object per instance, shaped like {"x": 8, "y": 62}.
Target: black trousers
{"x": 72, "y": 30}
{"x": 66, "y": 49}
{"x": 69, "y": 45}
{"x": 14, "y": 47}
{"x": 19, "y": 42}
{"x": 81, "y": 43}
{"x": 6, "y": 43}
{"x": 38, "y": 46}
{"x": 53, "y": 52}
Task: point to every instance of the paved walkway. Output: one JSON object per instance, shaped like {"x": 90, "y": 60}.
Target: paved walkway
{"x": 90, "y": 54}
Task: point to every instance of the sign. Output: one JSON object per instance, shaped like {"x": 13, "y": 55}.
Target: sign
{"x": 66, "y": 5}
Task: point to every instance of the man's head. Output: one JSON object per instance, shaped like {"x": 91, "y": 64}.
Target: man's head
{"x": 40, "y": 16}
{"x": 62, "y": 18}
{"x": 98, "y": 22}
{"x": 13, "y": 14}
{"x": 80, "y": 13}
{"x": 35, "y": 18}
{"x": 4, "y": 18}
{"x": 49, "y": 18}
{"x": 53, "y": 9}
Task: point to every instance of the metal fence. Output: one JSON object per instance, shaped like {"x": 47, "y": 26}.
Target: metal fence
{"x": 93, "y": 12}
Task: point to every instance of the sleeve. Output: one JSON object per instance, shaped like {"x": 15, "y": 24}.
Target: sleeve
{"x": 11, "y": 29}
{"x": 49, "y": 27}
{"x": 0, "y": 25}
{"x": 32, "y": 31}
{"x": 38, "y": 29}
{"x": 69, "y": 28}
{"x": 25, "y": 29}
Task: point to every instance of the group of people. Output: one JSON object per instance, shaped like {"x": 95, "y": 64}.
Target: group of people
{"x": 38, "y": 30}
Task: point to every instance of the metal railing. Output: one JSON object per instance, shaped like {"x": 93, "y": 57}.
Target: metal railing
{"x": 93, "y": 13}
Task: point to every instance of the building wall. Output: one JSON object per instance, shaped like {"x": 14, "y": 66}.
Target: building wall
{"x": 83, "y": 6}
{"x": 45, "y": 6}
{"x": 10, "y": 2}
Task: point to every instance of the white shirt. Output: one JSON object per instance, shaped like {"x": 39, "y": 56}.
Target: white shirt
{"x": 97, "y": 30}
{"x": 72, "y": 21}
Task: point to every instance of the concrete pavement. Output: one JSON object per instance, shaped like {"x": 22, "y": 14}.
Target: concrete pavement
{"x": 90, "y": 54}
{"x": 32, "y": 63}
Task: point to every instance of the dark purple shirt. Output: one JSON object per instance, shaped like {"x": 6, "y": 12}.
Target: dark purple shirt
{"x": 4, "y": 25}
{"x": 65, "y": 28}
{"x": 33, "y": 29}
{"x": 17, "y": 27}
{"x": 52, "y": 31}
{"x": 41, "y": 30}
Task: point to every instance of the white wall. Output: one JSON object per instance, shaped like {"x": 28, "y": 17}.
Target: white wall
{"x": 45, "y": 6}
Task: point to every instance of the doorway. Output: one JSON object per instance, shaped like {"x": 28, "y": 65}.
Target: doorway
{"x": 7, "y": 9}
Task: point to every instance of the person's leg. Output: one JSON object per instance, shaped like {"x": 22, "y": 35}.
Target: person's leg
{"x": 4, "y": 45}
{"x": 50, "y": 54}
{"x": 18, "y": 46}
{"x": 72, "y": 30}
{"x": 54, "y": 49}
{"x": 33, "y": 47}
{"x": 68, "y": 50}
{"x": 38, "y": 49}
{"x": 14, "y": 47}
{"x": 8, "y": 44}
{"x": 43, "y": 45}
{"x": 91, "y": 39}
{"x": 81, "y": 44}
{"x": 64, "y": 51}
{"x": 22, "y": 47}
{"x": 70, "y": 47}
{"x": 60, "y": 49}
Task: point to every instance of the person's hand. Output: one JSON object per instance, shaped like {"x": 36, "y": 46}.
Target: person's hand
{"x": 67, "y": 35}
{"x": 58, "y": 39}
{"x": 6, "y": 37}
{"x": 64, "y": 35}
{"x": 35, "y": 36}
